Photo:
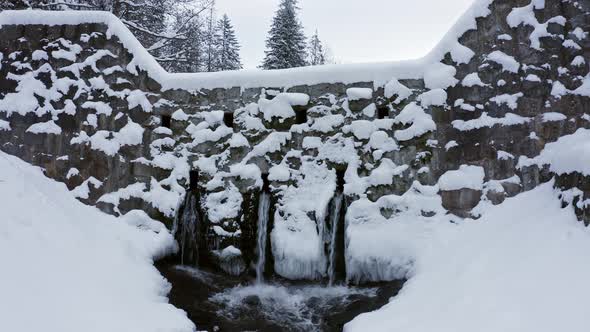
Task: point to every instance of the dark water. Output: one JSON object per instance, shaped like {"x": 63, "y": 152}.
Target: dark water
{"x": 217, "y": 302}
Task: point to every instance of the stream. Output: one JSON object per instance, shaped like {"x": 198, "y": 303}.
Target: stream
{"x": 217, "y": 302}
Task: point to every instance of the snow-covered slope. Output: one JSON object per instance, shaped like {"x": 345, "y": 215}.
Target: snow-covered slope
{"x": 67, "y": 267}
{"x": 522, "y": 267}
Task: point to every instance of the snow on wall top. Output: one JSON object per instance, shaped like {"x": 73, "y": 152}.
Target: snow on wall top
{"x": 378, "y": 73}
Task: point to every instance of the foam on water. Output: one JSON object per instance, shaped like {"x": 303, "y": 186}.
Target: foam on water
{"x": 292, "y": 307}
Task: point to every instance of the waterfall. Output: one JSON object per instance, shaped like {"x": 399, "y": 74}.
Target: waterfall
{"x": 263, "y": 216}
{"x": 186, "y": 229}
{"x": 334, "y": 221}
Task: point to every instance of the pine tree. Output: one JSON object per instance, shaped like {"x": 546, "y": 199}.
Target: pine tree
{"x": 286, "y": 43}
{"x": 316, "y": 53}
{"x": 210, "y": 34}
{"x": 227, "y": 46}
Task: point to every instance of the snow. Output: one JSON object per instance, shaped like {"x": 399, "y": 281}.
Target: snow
{"x": 428, "y": 67}
{"x": 507, "y": 99}
{"x": 384, "y": 174}
{"x": 361, "y": 129}
{"x": 279, "y": 173}
{"x": 435, "y": 97}
{"x": 553, "y": 116}
{"x": 395, "y": 88}
{"x": 111, "y": 142}
{"x": 510, "y": 119}
{"x": 381, "y": 141}
{"x": 139, "y": 98}
{"x": 280, "y": 107}
{"x": 327, "y": 123}
{"x": 297, "y": 241}
{"x": 450, "y": 145}
{"x": 99, "y": 106}
{"x": 526, "y": 16}
{"x": 39, "y": 55}
{"x": 532, "y": 78}
{"x": 83, "y": 191}
{"x": 503, "y": 155}
{"x": 468, "y": 177}
{"x": 472, "y": 80}
{"x": 492, "y": 274}
{"x": 72, "y": 172}
{"x": 584, "y": 89}
{"x": 4, "y": 125}
{"x": 507, "y": 62}
{"x": 421, "y": 122}
{"x": 49, "y": 127}
{"x": 75, "y": 262}
{"x": 580, "y": 33}
{"x": 464, "y": 106}
{"x": 179, "y": 115}
{"x": 568, "y": 43}
{"x": 570, "y": 153}
{"x": 558, "y": 89}
{"x": 225, "y": 204}
{"x": 381, "y": 249}
{"x": 578, "y": 61}
{"x": 440, "y": 76}
{"x": 354, "y": 94}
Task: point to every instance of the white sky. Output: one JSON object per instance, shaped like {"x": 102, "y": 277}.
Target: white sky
{"x": 355, "y": 30}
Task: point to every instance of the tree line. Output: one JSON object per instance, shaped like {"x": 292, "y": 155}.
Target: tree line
{"x": 188, "y": 36}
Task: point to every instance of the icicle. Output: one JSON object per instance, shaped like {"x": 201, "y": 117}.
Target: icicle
{"x": 263, "y": 215}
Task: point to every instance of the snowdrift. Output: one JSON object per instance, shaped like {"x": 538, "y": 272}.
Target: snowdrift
{"x": 521, "y": 267}
{"x": 68, "y": 267}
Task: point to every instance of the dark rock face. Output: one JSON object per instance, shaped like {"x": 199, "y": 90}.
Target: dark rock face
{"x": 461, "y": 201}
{"x": 99, "y": 123}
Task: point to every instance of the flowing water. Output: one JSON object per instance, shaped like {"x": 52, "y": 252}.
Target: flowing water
{"x": 186, "y": 229}
{"x": 217, "y": 302}
{"x": 263, "y": 216}
{"x": 334, "y": 221}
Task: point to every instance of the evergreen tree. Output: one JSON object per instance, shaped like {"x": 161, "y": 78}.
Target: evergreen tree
{"x": 286, "y": 43}
{"x": 210, "y": 34}
{"x": 227, "y": 46}
{"x": 316, "y": 53}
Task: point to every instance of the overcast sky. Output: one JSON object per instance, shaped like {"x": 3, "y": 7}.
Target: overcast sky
{"x": 355, "y": 30}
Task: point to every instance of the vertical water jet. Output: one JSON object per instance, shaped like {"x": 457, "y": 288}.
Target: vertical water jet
{"x": 334, "y": 221}
{"x": 186, "y": 229}
{"x": 263, "y": 217}
{"x": 336, "y": 224}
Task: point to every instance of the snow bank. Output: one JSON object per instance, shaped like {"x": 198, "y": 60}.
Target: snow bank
{"x": 570, "y": 153}
{"x": 380, "y": 248}
{"x": 66, "y": 267}
{"x": 519, "y": 268}
{"x": 379, "y": 73}
{"x": 469, "y": 177}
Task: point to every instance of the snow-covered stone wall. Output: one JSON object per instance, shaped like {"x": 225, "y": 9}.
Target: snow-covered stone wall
{"x": 499, "y": 106}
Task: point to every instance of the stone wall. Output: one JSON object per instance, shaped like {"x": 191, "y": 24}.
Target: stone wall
{"x": 74, "y": 101}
